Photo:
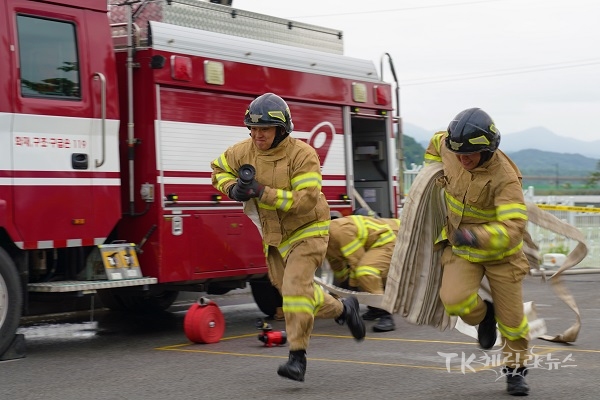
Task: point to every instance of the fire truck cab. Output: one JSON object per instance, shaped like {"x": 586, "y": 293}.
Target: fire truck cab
{"x": 109, "y": 119}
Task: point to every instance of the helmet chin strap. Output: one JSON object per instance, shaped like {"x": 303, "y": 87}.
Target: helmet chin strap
{"x": 485, "y": 156}
{"x": 279, "y": 136}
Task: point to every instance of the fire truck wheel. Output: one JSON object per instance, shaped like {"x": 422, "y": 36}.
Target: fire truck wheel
{"x": 11, "y": 300}
{"x": 266, "y": 296}
{"x": 152, "y": 302}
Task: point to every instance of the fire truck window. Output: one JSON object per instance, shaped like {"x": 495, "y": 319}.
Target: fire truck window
{"x": 48, "y": 58}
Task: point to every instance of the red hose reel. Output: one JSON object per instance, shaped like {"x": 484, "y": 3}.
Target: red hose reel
{"x": 204, "y": 322}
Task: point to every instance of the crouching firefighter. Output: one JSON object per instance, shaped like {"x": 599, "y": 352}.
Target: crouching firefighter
{"x": 279, "y": 178}
{"x": 360, "y": 252}
{"x": 483, "y": 236}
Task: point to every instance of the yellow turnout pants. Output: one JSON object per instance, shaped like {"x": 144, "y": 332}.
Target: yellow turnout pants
{"x": 303, "y": 299}
{"x": 461, "y": 281}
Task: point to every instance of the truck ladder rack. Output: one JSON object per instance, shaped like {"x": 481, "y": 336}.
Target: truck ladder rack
{"x": 87, "y": 286}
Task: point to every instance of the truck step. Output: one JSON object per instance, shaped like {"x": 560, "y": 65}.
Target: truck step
{"x": 87, "y": 286}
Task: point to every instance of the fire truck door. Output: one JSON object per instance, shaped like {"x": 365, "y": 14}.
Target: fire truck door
{"x": 373, "y": 173}
{"x": 55, "y": 116}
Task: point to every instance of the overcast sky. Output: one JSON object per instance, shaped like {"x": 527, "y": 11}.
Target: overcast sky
{"x": 527, "y": 63}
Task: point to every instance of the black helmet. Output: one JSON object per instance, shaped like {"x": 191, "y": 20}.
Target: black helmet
{"x": 472, "y": 131}
{"x": 269, "y": 110}
{"x": 365, "y": 212}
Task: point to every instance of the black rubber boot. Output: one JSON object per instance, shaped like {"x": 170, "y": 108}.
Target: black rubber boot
{"x": 351, "y": 316}
{"x": 515, "y": 381}
{"x": 486, "y": 332}
{"x": 373, "y": 313}
{"x": 385, "y": 323}
{"x": 295, "y": 367}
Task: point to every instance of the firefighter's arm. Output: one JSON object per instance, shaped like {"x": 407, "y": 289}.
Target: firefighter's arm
{"x": 355, "y": 257}
{"x": 511, "y": 221}
{"x": 340, "y": 269}
{"x": 433, "y": 153}
{"x": 336, "y": 264}
{"x": 223, "y": 177}
{"x": 335, "y": 257}
{"x": 306, "y": 188}
{"x": 351, "y": 246}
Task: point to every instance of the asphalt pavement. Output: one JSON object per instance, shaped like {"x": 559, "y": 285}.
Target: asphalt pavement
{"x": 112, "y": 356}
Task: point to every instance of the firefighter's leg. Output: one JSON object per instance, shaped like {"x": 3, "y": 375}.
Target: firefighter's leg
{"x": 372, "y": 268}
{"x": 275, "y": 266}
{"x": 369, "y": 273}
{"x": 461, "y": 281}
{"x": 303, "y": 299}
{"x": 507, "y": 294}
{"x": 460, "y": 286}
{"x": 506, "y": 287}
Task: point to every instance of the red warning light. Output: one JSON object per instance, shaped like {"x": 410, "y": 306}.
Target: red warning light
{"x": 382, "y": 95}
{"x": 181, "y": 68}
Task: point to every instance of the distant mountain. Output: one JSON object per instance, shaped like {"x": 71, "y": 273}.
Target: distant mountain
{"x": 538, "y": 138}
{"x": 545, "y": 163}
{"x": 528, "y": 149}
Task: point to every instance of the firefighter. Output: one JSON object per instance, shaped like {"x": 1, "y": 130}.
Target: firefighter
{"x": 483, "y": 236}
{"x": 359, "y": 252}
{"x": 294, "y": 221}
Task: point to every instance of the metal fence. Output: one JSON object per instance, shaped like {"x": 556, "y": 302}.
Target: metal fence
{"x": 575, "y": 211}
{"x": 410, "y": 175}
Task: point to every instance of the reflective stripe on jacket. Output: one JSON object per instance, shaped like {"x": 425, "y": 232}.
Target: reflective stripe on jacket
{"x": 487, "y": 200}
{"x": 350, "y": 237}
{"x": 292, "y": 206}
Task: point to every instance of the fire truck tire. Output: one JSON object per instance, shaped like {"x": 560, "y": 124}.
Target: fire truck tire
{"x": 152, "y": 302}
{"x": 204, "y": 323}
{"x": 266, "y": 296}
{"x": 11, "y": 300}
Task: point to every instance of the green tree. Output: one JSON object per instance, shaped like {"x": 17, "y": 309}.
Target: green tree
{"x": 594, "y": 177}
{"x": 413, "y": 151}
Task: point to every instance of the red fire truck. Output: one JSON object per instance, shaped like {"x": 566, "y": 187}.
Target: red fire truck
{"x": 109, "y": 118}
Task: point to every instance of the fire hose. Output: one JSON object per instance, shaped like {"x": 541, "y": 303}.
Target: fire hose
{"x": 414, "y": 278}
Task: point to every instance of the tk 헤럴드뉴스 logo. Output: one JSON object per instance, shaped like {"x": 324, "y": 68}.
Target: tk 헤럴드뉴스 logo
{"x": 492, "y": 360}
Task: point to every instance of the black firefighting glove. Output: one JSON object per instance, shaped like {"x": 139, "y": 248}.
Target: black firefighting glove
{"x": 464, "y": 237}
{"x": 245, "y": 191}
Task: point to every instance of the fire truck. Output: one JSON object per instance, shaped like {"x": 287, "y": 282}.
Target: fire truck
{"x": 110, "y": 115}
